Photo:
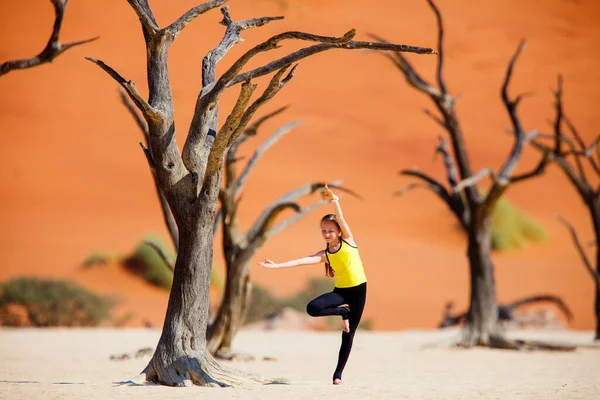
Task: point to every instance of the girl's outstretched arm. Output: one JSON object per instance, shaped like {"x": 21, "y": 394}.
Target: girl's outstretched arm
{"x": 346, "y": 233}
{"x": 316, "y": 258}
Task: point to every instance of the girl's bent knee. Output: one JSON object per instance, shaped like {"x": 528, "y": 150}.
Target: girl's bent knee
{"x": 312, "y": 310}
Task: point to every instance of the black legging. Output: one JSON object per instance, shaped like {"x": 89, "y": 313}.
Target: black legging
{"x": 329, "y": 304}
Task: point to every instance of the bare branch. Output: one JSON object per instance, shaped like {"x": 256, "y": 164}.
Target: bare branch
{"x": 231, "y": 159}
{"x": 217, "y": 154}
{"x": 210, "y": 94}
{"x": 584, "y": 258}
{"x": 503, "y": 178}
{"x": 252, "y": 129}
{"x": 451, "y": 171}
{"x": 230, "y": 132}
{"x": 161, "y": 254}
{"x": 176, "y": 27}
{"x": 472, "y": 180}
{"x": 139, "y": 121}
{"x": 149, "y": 158}
{"x": 415, "y": 185}
{"x": 259, "y": 152}
{"x": 585, "y": 151}
{"x": 411, "y": 75}
{"x": 452, "y": 201}
{"x": 538, "y": 170}
{"x": 166, "y": 210}
{"x": 148, "y": 111}
{"x": 432, "y": 183}
{"x": 440, "y": 47}
{"x": 559, "y": 115}
{"x": 511, "y": 106}
{"x": 53, "y": 48}
{"x": 280, "y": 227}
{"x": 292, "y": 197}
{"x": 435, "y": 118}
{"x": 275, "y": 85}
{"x": 213, "y": 92}
{"x": 204, "y": 122}
{"x": 261, "y": 228}
{"x": 308, "y": 51}
{"x": 144, "y": 13}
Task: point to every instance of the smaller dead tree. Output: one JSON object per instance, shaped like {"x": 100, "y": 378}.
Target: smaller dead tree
{"x": 463, "y": 197}
{"x": 240, "y": 247}
{"x": 53, "y": 48}
{"x": 571, "y": 154}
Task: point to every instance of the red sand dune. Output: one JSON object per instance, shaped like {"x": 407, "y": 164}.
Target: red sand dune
{"x": 74, "y": 179}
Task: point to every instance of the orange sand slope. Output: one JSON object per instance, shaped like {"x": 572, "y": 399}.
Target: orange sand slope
{"x": 75, "y": 180}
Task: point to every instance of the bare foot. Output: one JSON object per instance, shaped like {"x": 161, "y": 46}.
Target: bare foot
{"x": 337, "y": 381}
{"x": 346, "y": 325}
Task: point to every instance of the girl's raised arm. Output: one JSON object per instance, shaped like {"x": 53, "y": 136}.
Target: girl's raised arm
{"x": 346, "y": 233}
{"x": 316, "y": 258}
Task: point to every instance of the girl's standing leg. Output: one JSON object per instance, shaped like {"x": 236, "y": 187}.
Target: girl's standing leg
{"x": 327, "y": 304}
{"x": 356, "y": 297}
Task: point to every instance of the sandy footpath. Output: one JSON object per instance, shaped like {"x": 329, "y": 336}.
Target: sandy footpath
{"x": 62, "y": 363}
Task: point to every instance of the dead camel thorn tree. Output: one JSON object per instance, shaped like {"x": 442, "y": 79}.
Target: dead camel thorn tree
{"x": 240, "y": 247}
{"x": 465, "y": 200}
{"x": 53, "y": 48}
{"x": 570, "y": 154}
{"x": 191, "y": 180}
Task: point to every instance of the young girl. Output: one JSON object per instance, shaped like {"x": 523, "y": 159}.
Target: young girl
{"x": 342, "y": 259}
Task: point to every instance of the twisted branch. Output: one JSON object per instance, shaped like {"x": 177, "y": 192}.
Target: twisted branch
{"x": 164, "y": 205}
{"x": 53, "y": 48}
{"x": 579, "y": 247}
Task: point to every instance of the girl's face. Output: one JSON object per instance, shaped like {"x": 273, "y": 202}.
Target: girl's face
{"x": 330, "y": 231}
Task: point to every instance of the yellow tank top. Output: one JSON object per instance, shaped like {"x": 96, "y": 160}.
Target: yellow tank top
{"x": 347, "y": 265}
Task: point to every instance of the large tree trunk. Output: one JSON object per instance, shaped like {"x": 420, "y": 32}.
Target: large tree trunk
{"x": 481, "y": 324}
{"x": 595, "y": 211}
{"x": 181, "y": 357}
{"x": 232, "y": 310}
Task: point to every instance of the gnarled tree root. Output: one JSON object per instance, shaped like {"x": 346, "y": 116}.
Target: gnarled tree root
{"x": 501, "y": 342}
{"x": 199, "y": 371}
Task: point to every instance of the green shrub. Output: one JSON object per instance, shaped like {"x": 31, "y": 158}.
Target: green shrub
{"x": 52, "y": 303}
{"x": 512, "y": 229}
{"x": 97, "y": 259}
{"x": 145, "y": 262}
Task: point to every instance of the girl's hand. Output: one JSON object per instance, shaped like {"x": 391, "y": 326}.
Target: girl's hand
{"x": 267, "y": 264}
{"x": 328, "y": 194}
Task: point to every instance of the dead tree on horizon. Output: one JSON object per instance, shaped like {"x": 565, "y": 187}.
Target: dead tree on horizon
{"x": 53, "y": 48}
{"x": 472, "y": 208}
{"x": 191, "y": 179}
{"x": 569, "y": 154}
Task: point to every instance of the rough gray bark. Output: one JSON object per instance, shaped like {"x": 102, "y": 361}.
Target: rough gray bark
{"x": 191, "y": 180}
{"x": 53, "y": 48}
{"x": 463, "y": 198}
{"x": 570, "y": 154}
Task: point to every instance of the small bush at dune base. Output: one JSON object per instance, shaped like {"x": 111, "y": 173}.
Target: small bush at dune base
{"x": 37, "y": 302}
{"x": 512, "y": 229}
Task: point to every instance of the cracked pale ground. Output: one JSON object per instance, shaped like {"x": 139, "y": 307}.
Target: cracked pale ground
{"x": 61, "y": 363}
